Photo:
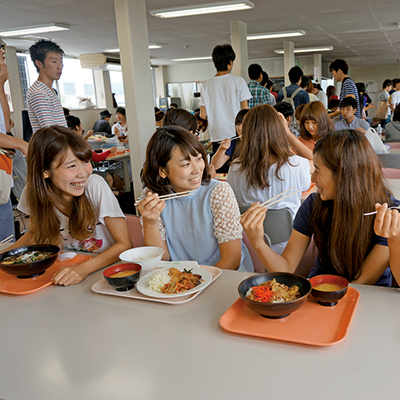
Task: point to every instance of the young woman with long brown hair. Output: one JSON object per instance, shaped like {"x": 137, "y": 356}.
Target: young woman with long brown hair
{"x": 68, "y": 206}
{"x": 314, "y": 123}
{"x": 267, "y": 167}
{"x": 203, "y": 226}
{"x": 349, "y": 179}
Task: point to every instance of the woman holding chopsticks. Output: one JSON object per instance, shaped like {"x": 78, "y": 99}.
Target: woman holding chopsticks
{"x": 349, "y": 179}
{"x": 267, "y": 167}
{"x": 201, "y": 220}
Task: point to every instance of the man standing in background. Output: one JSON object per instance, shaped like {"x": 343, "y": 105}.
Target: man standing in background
{"x": 260, "y": 94}
{"x": 223, "y": 96}
{"x": 44, "y": 106}
{"x": 340, "y": 69}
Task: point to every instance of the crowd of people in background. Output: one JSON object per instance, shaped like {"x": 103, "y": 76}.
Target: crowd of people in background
{"x": 265, "y": 141}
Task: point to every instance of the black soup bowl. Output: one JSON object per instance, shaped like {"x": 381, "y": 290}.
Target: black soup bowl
{"x": 275, "y": 310}
{"x": 30, "y": 269}
{"x": 126, "y": 282}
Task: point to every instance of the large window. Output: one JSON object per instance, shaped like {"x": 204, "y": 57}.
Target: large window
{"x": 117, "y": 87}
{"x": 75, "y": 83}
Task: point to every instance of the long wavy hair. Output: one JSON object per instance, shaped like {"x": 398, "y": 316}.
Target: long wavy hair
{"x": 159, "y": 151}
{"x": 264, "y": 143}
{"x": 48, "y": 149}
{"x": 315, "y": 111}
{"x": 342, "y": 233}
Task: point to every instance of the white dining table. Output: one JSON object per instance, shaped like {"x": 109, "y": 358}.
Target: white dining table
{"x": 71, "y": 343}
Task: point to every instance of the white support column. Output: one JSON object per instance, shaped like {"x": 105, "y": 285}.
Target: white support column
{"x": 135, "y": 61}
{"x": 15, "y": 90}
{"x": 288, "y": 60}
{"x": 317, "y": 67}
{"x": 239, "y": 44}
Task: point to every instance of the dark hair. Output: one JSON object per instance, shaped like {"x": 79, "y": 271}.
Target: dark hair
{"x": 47, "y": 147}
{"x": 254, "y": 71}
{"x": 73, "y": 122}
{"x": 264, "y": 139}
{"x": 396, "y": 113}
{"x": 317, "y": 86}
{"x": 386, "y": 83}
{"x": 180, "y": 117}
{"x": 295, "y": 74}
{"x": 339, "y": 64}
{"x": 222, "y": 55}
{"x": 330, "y": 91}
{"x": 159, "y": 115}
{"x": 349, "y": 101}
{"x": 173, "y": 105}
{"x": 304, "y": 82}
{"x": 315, "y": 111}
{"x": 333, "y": 103}
{"x": 240, "y": 116}
{"x": 66, "y": 111}
{"x": 284, "y": 108}
{"x": 270, "y": 85}
{"x": 361, "y": 87}
{"x": 298, "y": 111}
{"x": 358, "y": 180}
{"x": 159, "y": 151}
{"x": 395, "y": 82}
{"x": 120, "y": 110}
{"x": 202, "y": 123}
{"x": 265, "y": 79}
{"x": 41, "y": 48}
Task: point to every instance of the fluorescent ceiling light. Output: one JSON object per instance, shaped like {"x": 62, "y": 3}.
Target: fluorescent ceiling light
{"x": 273, "y": 35}
{"x": 152, "y": 46}
{"x": 192, "y": 59}
{"x": 307, "y": 49}
{"x": 35, "y": 29}
{"x": 202, "y": 9}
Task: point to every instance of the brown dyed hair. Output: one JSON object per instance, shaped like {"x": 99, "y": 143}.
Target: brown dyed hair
{"x": 358, "y": 180}
{"x": 48, "y": 149}
{"x": 315, "y": 111}
{"x": 158, "y": 153}
{"x": 264, "y": 141}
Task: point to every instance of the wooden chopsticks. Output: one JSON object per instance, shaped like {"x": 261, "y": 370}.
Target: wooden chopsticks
{"x": 6, "y": 240}
{"x": 270, "y": 202}
{"x": 232, "y": 138}
{"x": 171, "y": 196}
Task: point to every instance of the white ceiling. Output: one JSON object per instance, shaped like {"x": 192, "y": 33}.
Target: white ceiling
{"x": 364, "y": 32}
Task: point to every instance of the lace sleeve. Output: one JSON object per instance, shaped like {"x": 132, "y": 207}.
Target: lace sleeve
{"x": 160, "y": 223}
{"x": 225, "y": 210}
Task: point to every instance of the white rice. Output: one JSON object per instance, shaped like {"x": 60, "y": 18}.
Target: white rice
{"x": 158, "y": 280}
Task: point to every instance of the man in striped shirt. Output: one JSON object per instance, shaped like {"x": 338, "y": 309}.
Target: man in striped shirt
{"x": 339, "y": 69}
{"x": 44, "y": 106}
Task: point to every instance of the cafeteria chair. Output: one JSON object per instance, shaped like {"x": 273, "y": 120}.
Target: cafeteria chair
{"x": 135, "y": 230}
{"x": 278, "y": 225}
{"x": 389, "y": 160}
{"x": 391, "y": 173}
{"x": 307, "y": 262}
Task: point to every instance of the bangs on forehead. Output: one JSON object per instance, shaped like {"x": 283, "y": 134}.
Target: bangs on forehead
{"x": 187, "y": 150}
{"x": 80, "y": 149}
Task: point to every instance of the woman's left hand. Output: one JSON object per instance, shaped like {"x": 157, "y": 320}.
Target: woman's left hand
{"x": 69, "y": 276}
{"x": 387, "y": 222}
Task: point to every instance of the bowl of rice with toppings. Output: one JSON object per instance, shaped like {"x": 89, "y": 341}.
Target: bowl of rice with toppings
{"x": 147, "y": 256}
{"x": 274, "y": 294}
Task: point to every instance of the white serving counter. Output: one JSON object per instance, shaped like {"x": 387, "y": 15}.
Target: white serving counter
{"x": 70, "y": 343}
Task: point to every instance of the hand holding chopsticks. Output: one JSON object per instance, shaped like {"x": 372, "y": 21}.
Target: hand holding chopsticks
{"x": 232, "y": 138}
{"x": 170, "y": 196}
{"x": 270, "y": 202}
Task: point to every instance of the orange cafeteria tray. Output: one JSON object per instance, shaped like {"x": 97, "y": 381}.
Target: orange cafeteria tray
{"x": 313, "y": 324}
{"x": 10, "y": 284}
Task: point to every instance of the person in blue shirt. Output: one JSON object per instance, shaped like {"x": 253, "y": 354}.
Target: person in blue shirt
{"x": 348, "y": 119}
{"x": 293, "y": 93}
{"x": 349, "y": 182}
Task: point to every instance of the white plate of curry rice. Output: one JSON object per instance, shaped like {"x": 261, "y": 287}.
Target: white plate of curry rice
{"x": 155, "y": 283}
